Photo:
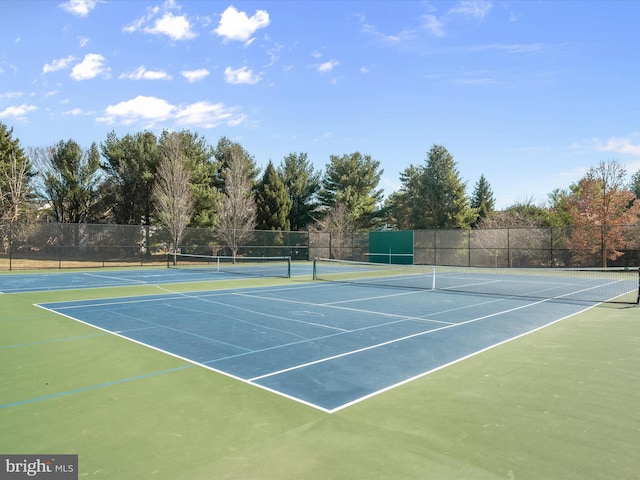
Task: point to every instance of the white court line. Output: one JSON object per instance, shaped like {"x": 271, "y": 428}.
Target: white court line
{"x": 389, "y": 342}
{"x": 119, "y": 279}
{"x": 193, "y": 362}
{"x": 453, "y": 362}
{"x": 252, "y": 381}
{"x": 334, "y": 306}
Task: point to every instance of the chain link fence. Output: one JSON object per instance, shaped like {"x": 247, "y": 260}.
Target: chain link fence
{"x": 64, "y": 245}
{"x": 56, "y": 245}
{"x": 529, "y": 247}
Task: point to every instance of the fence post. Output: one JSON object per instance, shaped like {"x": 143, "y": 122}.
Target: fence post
{"x": 551, "y": 262}
{"x": 10, "y": 245}
{"x": 435, "y": 248}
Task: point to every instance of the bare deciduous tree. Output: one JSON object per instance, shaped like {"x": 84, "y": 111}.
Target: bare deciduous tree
{"x": 340, "y": 224}
{"x": 14, "y": 187}
{"x": 172, "y": 190}
{"x": 238, "y": 212}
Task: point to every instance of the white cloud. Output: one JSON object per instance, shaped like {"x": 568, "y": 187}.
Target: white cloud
{"x": 324, "y": 136}
{"x": 75, "y": 112}
{"x": 241, "y": 76}
{"x": 274, "y": 53}
{"x": 433, "y": 25}
{"x": 176, "y": 27}
{"x": 236, "y": 25}
{"x": 91, "y": 66}
{"x": 472, "y": 8}
{"x": 327, "y": 67}
{"x": 80, "y": 8}
{"x": 207, "y": 115}
{"x": 514, "y": 48}
{"x": 19, "y": 112}
{"x": 142, "y": 73}
{"x": 625, "y": 146}
{"x": 141, "y": 108}
{"x": 151, "y": 111}
{"x": 140, "y": 23}
{"x": 11, "y": 95}
{"x": 58, "y": 64}
{"x": 393, "y": 38}
{"x": 193, "y": 76}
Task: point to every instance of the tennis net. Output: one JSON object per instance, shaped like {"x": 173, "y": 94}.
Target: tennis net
{"x": 610, "y": 285}
{"x": 249, "y": 266}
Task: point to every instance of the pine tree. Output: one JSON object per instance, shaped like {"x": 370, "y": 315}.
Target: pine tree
{"x": 433, "y": 195}
{"x": 70, "y": 181}
{"x": 274, "y": 205}
{"x": 447, "y": 205}
{"x": 352, "y": 180}
{"x": 302, "y": 184}
{"x": 130, "y": 168}
{"x": 482, "y": 199}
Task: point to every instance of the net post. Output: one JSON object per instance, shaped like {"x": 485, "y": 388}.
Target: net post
{"x": 315, "y": 276}
{"x": 638, "y": 295}
{"x": 433, "y": 279}
{"x": 288, "y": 266}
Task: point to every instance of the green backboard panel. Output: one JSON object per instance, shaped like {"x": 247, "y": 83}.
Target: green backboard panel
{"x": 391, "y": 247}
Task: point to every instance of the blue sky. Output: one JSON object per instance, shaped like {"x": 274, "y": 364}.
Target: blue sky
{"x": 528, "y": 93}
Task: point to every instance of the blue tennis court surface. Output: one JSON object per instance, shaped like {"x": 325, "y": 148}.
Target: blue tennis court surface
{"x": 21, "y": 283}
{"x": 327, "y": 345}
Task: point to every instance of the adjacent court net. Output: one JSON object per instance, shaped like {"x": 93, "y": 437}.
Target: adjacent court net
{"x": 587, "y": 285}
{"x": 249, "y": 266}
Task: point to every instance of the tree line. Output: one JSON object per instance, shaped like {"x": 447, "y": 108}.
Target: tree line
{"x": 179, "y": 180}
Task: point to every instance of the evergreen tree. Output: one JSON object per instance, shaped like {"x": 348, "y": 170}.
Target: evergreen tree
{"x": 634, "y": 185}
{"x": 482, "y": 199}
{"x": 70, "y": 179}
{"x": 433, "y": 195}
{"x": 130, "y": 167}
{"x": 559, "y": 215}
{"x": 273, "y": 203}
{"x": 302, "y": 185}
{"x": 404, "y": 206}
{"x": 352, "y": 180}
{"x": 447, "y": 205}
{"x": 223, "y": 154}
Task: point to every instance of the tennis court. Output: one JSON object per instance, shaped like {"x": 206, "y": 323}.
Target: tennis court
{"x": 189, "y": 269}
{"x": 330, "y": 345}
{"x": 230, "y": 376}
